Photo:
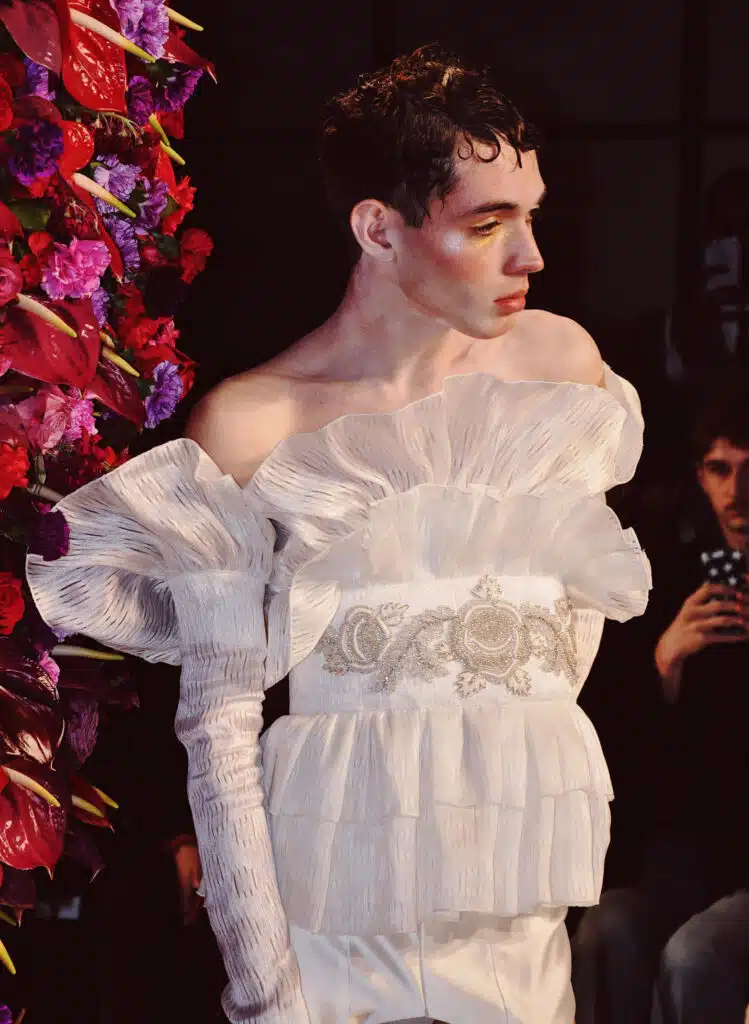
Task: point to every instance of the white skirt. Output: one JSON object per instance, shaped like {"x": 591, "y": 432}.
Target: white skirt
{"x": 476, "y": 970}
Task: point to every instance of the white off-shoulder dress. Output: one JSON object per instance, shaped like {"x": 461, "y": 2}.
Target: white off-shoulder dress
{"x": 435, "y": 582}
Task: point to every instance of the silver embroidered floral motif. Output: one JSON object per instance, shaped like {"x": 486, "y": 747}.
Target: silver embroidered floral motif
{"x": 490, "y": 638}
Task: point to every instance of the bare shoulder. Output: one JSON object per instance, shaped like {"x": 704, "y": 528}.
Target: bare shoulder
{"x": 240, "y": 421}
{"x": 568, "y": 351}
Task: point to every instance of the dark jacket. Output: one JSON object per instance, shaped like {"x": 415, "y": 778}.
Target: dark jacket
{"x": 682, "y": 767}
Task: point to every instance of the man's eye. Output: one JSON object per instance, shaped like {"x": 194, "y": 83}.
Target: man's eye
{"x": 486, "y": 229}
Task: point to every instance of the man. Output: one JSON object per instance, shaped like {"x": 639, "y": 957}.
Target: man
{"x": 379, "y": 868}
{"x": 670, "y": 700}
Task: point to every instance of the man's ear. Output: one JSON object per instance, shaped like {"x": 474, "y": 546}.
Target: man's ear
{"x": 371, "y": 223}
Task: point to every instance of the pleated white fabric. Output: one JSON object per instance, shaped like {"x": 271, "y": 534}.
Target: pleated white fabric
{"x": 436, "y": 580}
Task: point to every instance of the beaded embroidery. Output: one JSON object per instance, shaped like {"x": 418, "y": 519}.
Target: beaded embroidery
{"x": 490, "y": 638}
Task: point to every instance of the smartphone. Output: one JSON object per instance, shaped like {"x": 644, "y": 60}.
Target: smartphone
{"x": 728, "y": 568}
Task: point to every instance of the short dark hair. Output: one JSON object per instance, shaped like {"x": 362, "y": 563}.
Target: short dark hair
{"x": 394, "y": 135}
{"x": 725, "y": 416}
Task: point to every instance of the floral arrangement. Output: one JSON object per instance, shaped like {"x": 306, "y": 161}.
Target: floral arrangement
{"x": 94, "y": 262}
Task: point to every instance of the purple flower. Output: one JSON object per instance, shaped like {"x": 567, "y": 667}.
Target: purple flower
{"x": 139, "y": 99}
{"x": 145, "y": 23}
{"x": 149, "y": 215}
{"x": 100, "y": 300}
{"x": 167, "y": 391}
{"x": 37, "y": 80}
{"x": 6, "y": 1017}
{"x": 38, "y": 147}
{"x": 81, "y": 724}
{"x": 81, "y": 418}
{"x": 153, "y": 31}
{"x": 49, "y": 536}
{"x": 123, "y": 234}
{"x": 119, "y": 178}
{"x": 74, "y": 271}
{"x": 177, "y": 89}
{"x": 130, "y": 12}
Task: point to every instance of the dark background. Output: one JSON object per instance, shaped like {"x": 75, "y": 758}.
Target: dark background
{"x": 642, "y": 104}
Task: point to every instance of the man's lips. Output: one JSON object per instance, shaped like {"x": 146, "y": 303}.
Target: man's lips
{"x": 515, "y": 301}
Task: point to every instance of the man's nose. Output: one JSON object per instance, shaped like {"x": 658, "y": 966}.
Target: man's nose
{"x": 526, "y": 257}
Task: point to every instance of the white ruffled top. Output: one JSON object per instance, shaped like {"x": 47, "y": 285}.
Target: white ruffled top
{"x": 435, "y": 581}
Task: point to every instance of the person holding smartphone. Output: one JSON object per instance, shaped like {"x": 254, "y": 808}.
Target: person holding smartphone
{"x": 672, "y": 927}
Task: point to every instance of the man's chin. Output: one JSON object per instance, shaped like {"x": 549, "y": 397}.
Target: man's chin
{"x": 738, "y": 534}
{"x": 488, "y": 330}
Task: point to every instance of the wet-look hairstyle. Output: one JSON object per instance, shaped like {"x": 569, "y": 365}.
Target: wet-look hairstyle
{"x": 395, "y": 135}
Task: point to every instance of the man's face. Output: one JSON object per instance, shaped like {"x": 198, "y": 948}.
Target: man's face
{"x": 468, "y": 264}
{"x": 724, "y": 476}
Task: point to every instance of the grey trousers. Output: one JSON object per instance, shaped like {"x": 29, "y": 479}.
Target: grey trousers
{"x": 704, "y": 971}
{"x": 655, "y": 953}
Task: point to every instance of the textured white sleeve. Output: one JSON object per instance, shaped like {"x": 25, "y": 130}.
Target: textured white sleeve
{"x": 219, "y": 718}
{"x": 169, "y": 561}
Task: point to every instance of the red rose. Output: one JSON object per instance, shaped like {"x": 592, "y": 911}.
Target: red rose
{"x": 11, "y": 278}
{"x": 184, "y": 195}
{"x": 195, "y": 247}
{"x": 11, "y": 603}
{"x": 6, "y": 104}
{"x": 14, "y": 465}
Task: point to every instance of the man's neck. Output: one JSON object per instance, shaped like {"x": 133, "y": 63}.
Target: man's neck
{"x": 378, "y": 334}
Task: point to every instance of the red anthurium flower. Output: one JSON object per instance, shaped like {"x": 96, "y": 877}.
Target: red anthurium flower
{"x": 173, "y": 122}
{"x": 87, "y": 803}
{"x": 32, "y": 830}
{"x": 29, "y": 708}
{"x": 30, "y": 729}
{"x": 37, "y": 349}
{"x": 78, "y": 147}
{"x": 35, "y": 29}
{"x": 18, "y": 890}
{"x": 93, "y": 69}
{"x": 118, "y": 391}
{"x": 178, "y": 51}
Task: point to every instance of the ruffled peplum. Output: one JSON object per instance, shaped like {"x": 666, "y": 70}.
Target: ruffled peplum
{"x": 382, "y": 819}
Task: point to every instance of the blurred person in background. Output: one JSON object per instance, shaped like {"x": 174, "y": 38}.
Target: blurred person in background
{"x": 675, "y": 910}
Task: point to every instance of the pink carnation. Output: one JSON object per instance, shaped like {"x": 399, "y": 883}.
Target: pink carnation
{"x": 74, "y": 271}
{"x": 51, "y": 417}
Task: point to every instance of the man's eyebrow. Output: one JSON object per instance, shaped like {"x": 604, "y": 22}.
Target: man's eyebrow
{"x": 498, "y": 206}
